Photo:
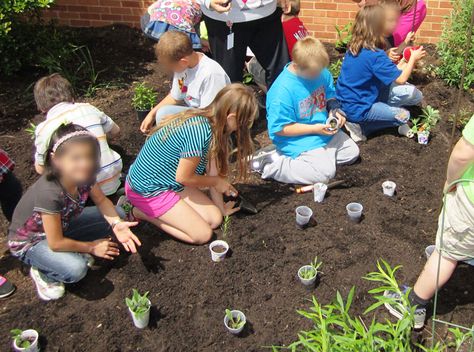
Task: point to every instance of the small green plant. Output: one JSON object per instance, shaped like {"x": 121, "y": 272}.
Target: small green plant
{"x": 31, "y": 130}
{"x": 344, "y": 36}
{"x": 248, "y": 79}
{"x": 138, "y": 304}
{"x": 20, "y": 341}
{"x": 233, "y": 322}
{"x": 312, "y": 270}
{"x": 430, "y": 118}
{"x": 144, "y": 98}
{"x": 226, "y": 226}
{"x": 335, "y": 69}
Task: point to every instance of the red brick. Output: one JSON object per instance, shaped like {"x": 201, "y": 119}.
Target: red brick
{"x": 80, "y": 23}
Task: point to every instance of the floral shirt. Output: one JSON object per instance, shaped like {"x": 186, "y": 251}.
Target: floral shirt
{"x": 182, "y": 14}
{"x": 6, "y": 164}
{"x": 43, "y": 197}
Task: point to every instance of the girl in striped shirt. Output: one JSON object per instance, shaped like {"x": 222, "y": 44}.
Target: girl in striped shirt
{"x": 186, "y": 152}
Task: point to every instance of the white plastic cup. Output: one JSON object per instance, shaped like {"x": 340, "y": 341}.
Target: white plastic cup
{"x": 141, "y": 320}
{"x": 333, "y": 120}
{"x": 235, "y": 314}
{"x": 354, "y": 210}
{"x": 303, "y": 215}
{"x": 28, "y": 334}
{"x": 319, "y": 191}
{"x": 423, "y": 137}
{"x": 216, "y": 256}
{"x": 306, "y": 282}
{"x": 389, "y": 188}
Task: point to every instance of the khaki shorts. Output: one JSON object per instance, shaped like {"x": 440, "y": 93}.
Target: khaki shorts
{"x": 458, "y": 232}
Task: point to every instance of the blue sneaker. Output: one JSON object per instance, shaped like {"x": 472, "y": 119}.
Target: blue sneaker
{"x": 398, "y": 310}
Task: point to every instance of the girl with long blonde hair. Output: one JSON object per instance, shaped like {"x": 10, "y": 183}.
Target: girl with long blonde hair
{"x": 189, "y": 151}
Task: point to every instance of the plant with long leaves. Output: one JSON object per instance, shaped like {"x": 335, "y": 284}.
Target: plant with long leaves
{"x": 233, "y": 322}
{"x": 138, "y": 304}
{"x": 312, "y": 270}
{"x": 20, "y": 341}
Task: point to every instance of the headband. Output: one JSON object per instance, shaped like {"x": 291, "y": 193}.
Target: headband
{"x": 69, "y": 136}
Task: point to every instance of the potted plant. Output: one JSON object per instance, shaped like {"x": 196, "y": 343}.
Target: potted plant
{"x": 309, "y": 273}
{"x": 144, "y": 99}
{"x": 25, "y": 340}
{"x": 422, "y": 125}
{"x": 234, "y": 321}
{"x": 139, "y": 307}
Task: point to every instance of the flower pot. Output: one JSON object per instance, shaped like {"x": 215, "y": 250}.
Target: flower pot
{"x": 319, "y": 192}
{"x": 423, "y": 137}
{"x": 218, "y": 250}
{"x": 31, "y": 335}
{"x": 354, "y": 211}
{"x": 333, "y": 121}
{"x": 408, "y": 50}
{"x": 307, "y": 282}
{"x": 141, "y": 320}
{"x": 303, "y": 216}
{"x": 389, "y": 188}
{"x": 235, "y": 314}
{"x": 141, "y": 114}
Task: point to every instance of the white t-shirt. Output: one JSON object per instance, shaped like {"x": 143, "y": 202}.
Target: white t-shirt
{"x": 241, "y": 10}
{"x": 97, "y": 123}
{"x": 198, "y": 86}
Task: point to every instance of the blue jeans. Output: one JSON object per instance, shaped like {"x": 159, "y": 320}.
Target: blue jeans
{"x": 169, "y": 110}
{"x": 70, "y": 267}
{"x": 388, "y": 112}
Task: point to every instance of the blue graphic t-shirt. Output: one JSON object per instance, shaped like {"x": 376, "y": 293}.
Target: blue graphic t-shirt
{"x": 293, "y": 99}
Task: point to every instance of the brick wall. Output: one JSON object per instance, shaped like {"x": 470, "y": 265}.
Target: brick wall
{"x": 320, "y": 16}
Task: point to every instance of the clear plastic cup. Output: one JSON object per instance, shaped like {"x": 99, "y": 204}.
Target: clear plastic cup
{"x": 303, "y": 215}
{"x": 354, "y": 211}
{"x": 319, "y": 192}
{"x": 389, "y": 188}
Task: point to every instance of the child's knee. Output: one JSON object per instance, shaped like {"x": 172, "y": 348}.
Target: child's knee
{"x": 76, "y": 271}
{"x": 416, "y": 96}
{"x": 215, "y": 218}
{"x": 402, "y": 115}
{"x": 202, "y": 235}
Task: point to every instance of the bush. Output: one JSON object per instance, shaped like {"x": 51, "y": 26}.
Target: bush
{"x": 452, "y": 46}
{"x": 10, "y": 10}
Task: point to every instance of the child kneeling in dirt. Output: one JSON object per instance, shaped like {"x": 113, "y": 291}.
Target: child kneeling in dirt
{"x": 298, "y": 104}
{"x": 196, "y": 82}
{"x": 455, "y": 240}
{"x": 52, "y": 230}
{"x": 186, "y": 152}
{"x": 54, "y": 97}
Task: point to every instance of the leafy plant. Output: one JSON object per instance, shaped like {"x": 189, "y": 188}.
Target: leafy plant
{"x": 11, "y": 11}
{"x": 335, "y": 69}
{"x": 226, "y": 226}
{"x": 463, "y": 118}
{"x": 452, "y": 45}
{"x": 430, "y": 118}
{"x": 138, "y": 303}
{"x": 31, "y": 129}
{"x": 144, "y": 98}
{"x": 20, "y": 341}
{"x": 248, "y": 79}
{"x": 344, "y": 36}
{"x": 312, "y": 271}
{"x": 233, "y": 322}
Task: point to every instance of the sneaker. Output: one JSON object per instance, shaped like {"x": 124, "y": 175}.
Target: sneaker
{"x": 355, "y": 131}
{"x": 47, "y": 289}
{"x": 89, "y": 259}
{"x": 127, "y": 207}
{"x": 6, "y": 287}
{"x": 397, "y": 309}
{"x": 405, "y": 130}
{"x": 262, "y": 157}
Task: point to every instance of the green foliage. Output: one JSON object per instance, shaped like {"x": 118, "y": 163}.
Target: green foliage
{"x": 226, "y": 226}
{"x": 10, "y": 10}
{"x": 31, "y": 129}
{"x": 312, "y": 270}
{"x": 452, "y": 45}
{"x": 428, "y": 119}
{"x": 335, "y": 69}
{"x": 344, "y": 36}
{"x": 233, "y": 322}
{"x": 138, "y": 303}
{"x": 463, "y": 118}
{"x": 248, "y": 79}
{"x": 144, "y": 98}
{"x": 18, "y": 338}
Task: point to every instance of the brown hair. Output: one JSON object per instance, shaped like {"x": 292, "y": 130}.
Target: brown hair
{"x": 52, "y": 90}
{"x": 174, "y": 46}
{"x": 368, "y": 29}
{"x": 309, "y": 52}
{"x": 395, "y": 4}
{"x": 295, "y": 8}
{"x": 232, "y": 99}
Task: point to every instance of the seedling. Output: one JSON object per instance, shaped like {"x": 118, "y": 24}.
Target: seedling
{"x": 344, "y": 36}
{"x": 335, "y": 69}
{"x": 234, "y": 322}
{"x": 20, "y": 341}
{"x": 144, "y": 98}
{"x": 430, "y": 118}
{"x": 311, "y": 270}
{"x": 248, "y": 79}
{"x": 31, "y": 130}
{"x": 226, "y": 226}
{"x": 416, "y": 125}
{"x": 138, "y": 304}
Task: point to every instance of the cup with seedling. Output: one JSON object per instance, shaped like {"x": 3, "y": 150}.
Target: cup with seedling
{"x": 423, "y": 125}
{"x": 234, "y": 321}
{"x": 144, "y": 99}
{"x": 25, "y": 340}
{"x": 309, "y": 273}
{"x": 354, "y": 211}
{"x": 389, "y": 188}
{"x": 303, "y": 216}
{"x": 218, "y": 250}
{"x": 139, "y": 307}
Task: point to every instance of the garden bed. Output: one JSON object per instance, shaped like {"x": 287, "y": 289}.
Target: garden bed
{"x": 190, "y": 293}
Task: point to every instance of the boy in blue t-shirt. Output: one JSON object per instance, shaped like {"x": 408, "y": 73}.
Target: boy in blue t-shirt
{"x": 298, "y": 105}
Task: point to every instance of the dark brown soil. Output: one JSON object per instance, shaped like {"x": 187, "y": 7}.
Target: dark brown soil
{"x": 188, "y": 291}
{"x": 219, "y": 249}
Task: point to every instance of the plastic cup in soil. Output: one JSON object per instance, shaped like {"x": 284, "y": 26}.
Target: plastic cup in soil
{"x": 423, "y": 137}
{"x": 218, "y": 250}
{"x": 319, "y": 192}
{"x": 389, "y": 188}
{"x": 30, "y": 335}
{"x": 141, "y": 320}
{"x": 141, "y": 114}
{"x": 307, "y": 282}
{"x": 303, "y": 216}
{"x": 235, "y": 314}
{"x": 354, "y": 211}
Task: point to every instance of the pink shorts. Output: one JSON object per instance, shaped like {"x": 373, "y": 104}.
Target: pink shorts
{"x": 154, "y": 207}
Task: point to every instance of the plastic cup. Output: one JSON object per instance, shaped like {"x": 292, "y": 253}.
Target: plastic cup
{"x": 303, "y": 215}
{"x": 141, "y": 320}
{"x": 306, "y": 282}
{"x": 332, "y": 121}
{"x": 319, "y": 192}
{"x": 235, "y": 314}
{"x": 354, "y": 211}
{"x": 423, "y": 137}
{"x": 218, "y": 256}
{"x": 389, "y": 188}
{"x": 31, "y": 335}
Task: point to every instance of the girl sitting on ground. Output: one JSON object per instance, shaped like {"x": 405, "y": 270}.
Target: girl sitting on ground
{"x": 52, "y": 230}
{"x": 163, "y": 184}
{"x": 371, "y": 89}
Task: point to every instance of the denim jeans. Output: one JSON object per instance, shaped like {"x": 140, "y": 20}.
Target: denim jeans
{"x": 69, "y": 267}
{"x": 169, "y": 110}
{"x": 388, "y": 112}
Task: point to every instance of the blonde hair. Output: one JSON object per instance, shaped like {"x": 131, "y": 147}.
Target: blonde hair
{"x": 309, "y": 53}
{"x": 394, "y": 4}
{"x": 174, "y": 46}
{"x": 368, "y": 29}
{"x": 51, "y": 90}
{"x": 232, "y": 99}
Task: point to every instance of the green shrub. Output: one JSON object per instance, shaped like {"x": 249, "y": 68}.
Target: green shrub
{"x": 144, "y": 97}
{"x": 335, "y": 69}
{"x": 452, "y": 45}
{"x": 344, "y": 36}
{"x": 10, "y": 10}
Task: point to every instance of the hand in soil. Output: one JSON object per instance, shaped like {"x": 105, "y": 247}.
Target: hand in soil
{"x": 126, "y": 237}
{"x": 229, "y": 208}
{"x": 105, "y": 248}
{"x": 223, "y": 186}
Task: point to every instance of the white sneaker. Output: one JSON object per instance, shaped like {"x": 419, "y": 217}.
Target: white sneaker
{"x": 263, "y": 157}
{"x": 355, "y": 131}
{"x": 47, "y": 289}
{"x": 405, "y": 130}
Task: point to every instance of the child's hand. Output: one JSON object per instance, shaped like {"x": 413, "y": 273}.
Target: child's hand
{"x": 342, "y": 119}
{"x": 105, "y": 248}
{"x": 126, "y": 237}
{"x": 221, "y": 5}
{"x": 324, "y": 130}
{"x": 229, "y": 208}
{"x": 147, "y": 123}
{"x": 393, "y": 54}
{"x": 410, "y": 38}
{"x": 223, "y": 186}
{"x": 418, "y": 54}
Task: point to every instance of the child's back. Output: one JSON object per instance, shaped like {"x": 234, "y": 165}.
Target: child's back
{"x": 293, "y": 27}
